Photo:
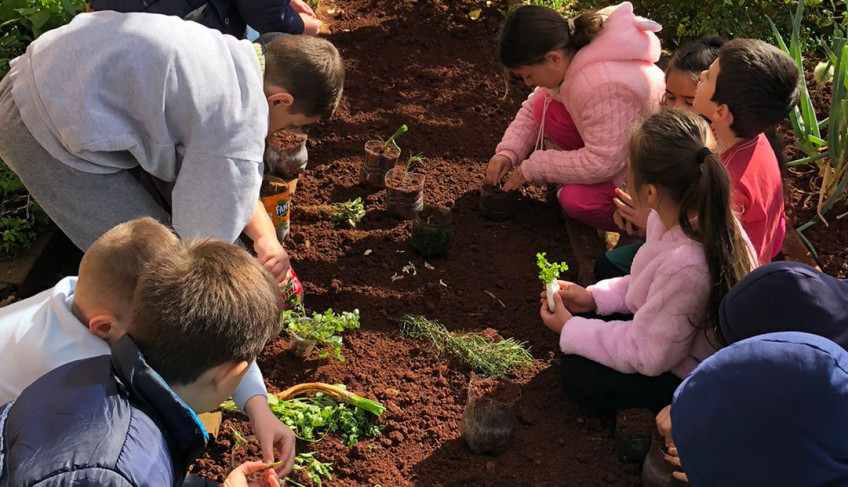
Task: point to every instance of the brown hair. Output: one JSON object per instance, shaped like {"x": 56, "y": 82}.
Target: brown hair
{"x": 668, "y": 150}
{"x": 310, "y": 69}
{"x": 206, "y": 304}
{"x": 110, "y": 268}
{"x": 532, "y": 31}
{"x": 759, "y": 84}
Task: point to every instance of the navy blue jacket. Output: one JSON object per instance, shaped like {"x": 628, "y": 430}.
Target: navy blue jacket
{"x": 105, "y": 421}
{"x": 228, "y": 16}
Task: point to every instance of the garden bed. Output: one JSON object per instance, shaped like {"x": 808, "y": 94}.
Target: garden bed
{"x": 447, "y": 85}
{"x": 439, "y": 74}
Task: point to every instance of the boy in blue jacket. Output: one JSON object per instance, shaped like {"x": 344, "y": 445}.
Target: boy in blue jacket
{"x": 201, "y": 314}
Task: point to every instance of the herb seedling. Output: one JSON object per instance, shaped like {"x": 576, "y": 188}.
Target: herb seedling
{"x": 402, "y": 130}
{"x": 316, "y": 471}
{"x": 414, "y": 160}
{"x": 349, "y": 212}
{"x": 497, "y": 359}
{"x": 548, "y": 274}
{"x": 324, "y": 328}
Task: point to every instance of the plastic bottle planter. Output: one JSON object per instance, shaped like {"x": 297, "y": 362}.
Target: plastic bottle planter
{"x": 634, "y": 429}
{"x": 377, "y": 163}
{"x": 489, "y": 416}
{"x": 404, "y": 193}
{"x": 301, "y": 347}
{"x": 276, "y": 198}
{"x": 286, "y": 154}
{"x": 656, "y": 471}
{"x": 431, "y": 231}
{"x": 497, "y": 204}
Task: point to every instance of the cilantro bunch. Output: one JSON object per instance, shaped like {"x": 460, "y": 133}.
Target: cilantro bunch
{"x": 549, "y": 272}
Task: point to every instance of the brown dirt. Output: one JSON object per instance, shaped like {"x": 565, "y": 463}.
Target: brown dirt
{"x": 376, "y": 148}
{"x": 432, "y": 216}
{"x": 497, "y": 390}
{"x": 286, "y": 140}
{"x": 447, "y": 85}
{"x": 404, "y": 184}
{"x": 636, "y": 422}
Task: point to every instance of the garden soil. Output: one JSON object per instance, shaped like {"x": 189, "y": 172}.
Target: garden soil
{"x": 427, "y": 64}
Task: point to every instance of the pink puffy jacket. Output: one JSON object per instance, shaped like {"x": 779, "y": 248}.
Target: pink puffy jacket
{"x": 611, "y": 84}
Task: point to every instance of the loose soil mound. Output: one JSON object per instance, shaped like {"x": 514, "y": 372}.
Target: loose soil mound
{"x": 438, "y": 73}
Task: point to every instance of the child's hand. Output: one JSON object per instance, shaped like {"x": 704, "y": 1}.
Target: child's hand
{"x": 516, "y": 181}
{"x": 498, "y": 167}
{"x": 576, "y": 298}
{"x": 556, "y": 320}
{"x": 238, "y": 477}
{"x": 272, "y": 256}
{"x": 272, "y": 434}
{"x": 302, "y": 7}
{"x": 674, "y": 458}
{"x": 311, "y": 25}
{"x": 664, "y": 425}
{"x": 631, "y": 215}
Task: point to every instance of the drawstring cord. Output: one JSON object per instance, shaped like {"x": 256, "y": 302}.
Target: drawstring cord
{"x": 540, "y": 139}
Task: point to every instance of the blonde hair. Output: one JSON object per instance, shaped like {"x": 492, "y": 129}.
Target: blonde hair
{"x": 204, "y": 305}
{"x": 110, "y": 268}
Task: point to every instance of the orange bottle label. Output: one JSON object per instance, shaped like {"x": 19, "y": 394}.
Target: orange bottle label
{"x": 277, "y": 206}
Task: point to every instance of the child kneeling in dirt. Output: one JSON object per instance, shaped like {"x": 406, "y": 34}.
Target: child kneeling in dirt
{"x": 693, "y": 255}
{"x": 595, "y": 79}
{"x": 201, "y": 314}
{"x": 81, "y": 317}
{"x": 104, "y": 111}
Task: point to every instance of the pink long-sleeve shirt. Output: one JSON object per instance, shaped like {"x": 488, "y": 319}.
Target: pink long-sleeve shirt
{"x": 611, "y": 84}
{"x": 666, "y": 291}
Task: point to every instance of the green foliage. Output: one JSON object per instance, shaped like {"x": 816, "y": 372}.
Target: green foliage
{"x": 831, "y": 154}
{"x": 494, "y": 358}
{"x": 349, "y": 212}
{"x": 311, "y": 418}
{"x": 316, "y": 471}
{"x": 17, "y": 235}
{"x": 685, "y": 21}
{"x": 402, "y": 130}
{"x": 324, "y": 328}
{"x": 549, "y": 272}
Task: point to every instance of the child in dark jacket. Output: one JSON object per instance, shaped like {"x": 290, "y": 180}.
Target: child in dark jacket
{"x": 200, "y": 315}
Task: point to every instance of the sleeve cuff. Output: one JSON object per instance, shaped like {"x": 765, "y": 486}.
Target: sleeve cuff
{"x": 251, "y": 385}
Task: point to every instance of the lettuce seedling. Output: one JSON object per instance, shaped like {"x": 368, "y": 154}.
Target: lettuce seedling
{"x": 548, "y": 274}
{"x": 349, "y": 212}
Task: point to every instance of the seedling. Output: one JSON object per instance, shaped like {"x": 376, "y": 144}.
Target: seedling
{"x": 548, "y": 274}
{"x": 391, "y": 141}
{"x": 413, "y": 161}
{"x": 349, "y": 212}
{"x": 316, "y": 471}
{"x": 494, "y": 358}
{"x": 324, "y": 328}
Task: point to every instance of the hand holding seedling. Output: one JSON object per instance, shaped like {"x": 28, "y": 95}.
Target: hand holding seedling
{"x": 238, "y": 477}
{"x": 555, "y": 320}
{"x": 272, "y": 434}
{"x": 548, "y": 274}
{"x": 628, "y": 216}
{"x": 497, "y": 169}
{"x": 515, "y": 181}
{"x": 576, "y": 298}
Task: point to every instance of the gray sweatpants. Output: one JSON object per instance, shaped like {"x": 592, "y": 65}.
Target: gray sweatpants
{"x": 82, "y": 204}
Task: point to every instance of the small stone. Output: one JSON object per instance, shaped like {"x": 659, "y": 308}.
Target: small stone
{"x": 490, "y": 466}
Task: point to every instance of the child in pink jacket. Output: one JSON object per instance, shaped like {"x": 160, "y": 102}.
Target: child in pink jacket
{"x": 595, "y": 79}
{"x": 677, "y": 280}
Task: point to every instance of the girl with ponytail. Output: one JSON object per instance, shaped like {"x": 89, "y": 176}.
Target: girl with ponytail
{"x": 694, "y": 253}
{"x": 595, "y": 79}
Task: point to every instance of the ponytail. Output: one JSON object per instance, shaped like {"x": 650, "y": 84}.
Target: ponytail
{"x": 668, "y": 150}
{"x": 532, "y": 31}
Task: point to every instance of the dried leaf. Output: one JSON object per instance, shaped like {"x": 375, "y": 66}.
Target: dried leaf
{"x": 396, "y": 277}
{"x": 474, "y": 14}
{"x": 428, "y": 266}
{"x": 367, "y": 252}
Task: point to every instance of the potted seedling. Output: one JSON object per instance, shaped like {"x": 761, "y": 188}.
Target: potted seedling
{"x": 431, "y": 231}
{"x": 276, "y": 198}
{"x": 634, "y": 429}
{"x": 489, "y": 415}
{"x": 548, "y": 274}
{"x": 348, "y": 213}
{"x": 657, "y": 471}
{"x": 379, "y": 158}
{"x": 497, "y": 204}
{"x": 405, "y": 189}
{"x": 322, "y": 330}
{"x": 286, "y": 154}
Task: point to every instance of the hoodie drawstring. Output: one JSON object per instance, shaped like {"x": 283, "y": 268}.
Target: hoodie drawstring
{"x": 540, "y": 139}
